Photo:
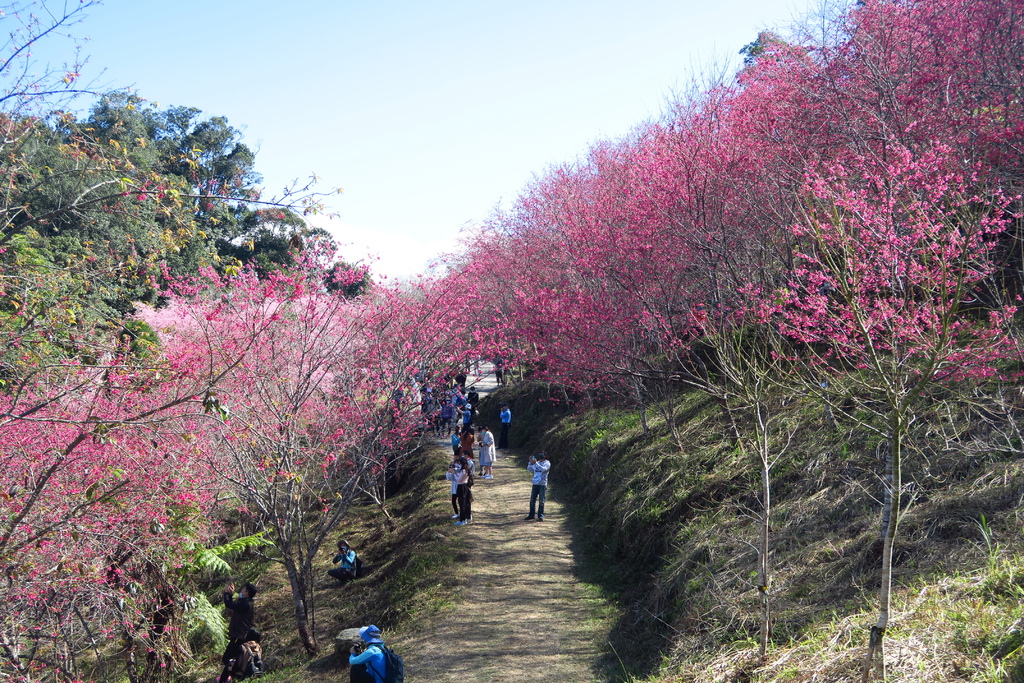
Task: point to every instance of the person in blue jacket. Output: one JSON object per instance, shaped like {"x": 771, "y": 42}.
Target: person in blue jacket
{"x": 346, "y": 561}
{"x": 367, "y": 663}
{"x": 506, "y": 422}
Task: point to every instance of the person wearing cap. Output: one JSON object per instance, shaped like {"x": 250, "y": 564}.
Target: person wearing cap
{"x": 242, "y": 621}
{"x": 540, "y": 466}
{"x": 367, "y": 663}
{"x": 346, "y": 561}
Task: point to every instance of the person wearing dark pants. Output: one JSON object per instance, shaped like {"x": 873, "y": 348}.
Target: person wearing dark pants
{"x": 454, "y": 468}
{"x": 242, "y": 620}
{"x": 346, "y": 569}
{"x": 506, "y": 423}
{"x": 540, "y": 466}
{"x": 465, "y": 495}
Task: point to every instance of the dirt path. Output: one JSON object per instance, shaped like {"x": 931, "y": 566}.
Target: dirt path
{"x": 522, "y": 614}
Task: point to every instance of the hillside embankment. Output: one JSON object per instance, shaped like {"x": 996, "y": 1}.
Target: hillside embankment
{"x": 674, "y": 517}
{"x": 646, "y": 566}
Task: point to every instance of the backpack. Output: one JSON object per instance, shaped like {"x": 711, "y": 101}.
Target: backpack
{"x": 359, "y": 567}
{"x": 394, "y": 667}
{"x": 250, "y": 661}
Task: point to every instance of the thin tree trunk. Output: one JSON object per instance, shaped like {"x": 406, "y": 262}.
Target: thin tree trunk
{"x": 892, "y": 511}
{"x": 734, "y": 429}
{"x": 638, "y": 396}
{"x": 302, "y": 621}
{"x": 762, "y": 563}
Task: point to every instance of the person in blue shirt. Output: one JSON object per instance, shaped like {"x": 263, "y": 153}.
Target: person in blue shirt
{"x": 506, "y": 422}
{"x": 539, "y": 465}
{"x": 367, "y": 663}
{"x": 346, "y": 561}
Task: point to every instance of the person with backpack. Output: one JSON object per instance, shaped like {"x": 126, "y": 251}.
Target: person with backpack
{"x": 242, "y": 621}
{"x": 348, "y": 564}
{"x": 250, "y": 657}
{"x": 374, "y": 663}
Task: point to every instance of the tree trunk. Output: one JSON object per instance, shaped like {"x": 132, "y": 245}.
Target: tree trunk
{"x": 302, "y": 621}
{"x": 763, "y": 580}
{"x": 734, "y": 429}
{"x": 892, "y": 511}
{"x": 762, "y": 562}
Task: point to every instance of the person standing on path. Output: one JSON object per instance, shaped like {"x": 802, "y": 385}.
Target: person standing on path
{"x": 466, "y": 442}
{"x": 452, "y": 475}
{"x": 506, "y": 422}
{"x": 486, "y": 453}
{"x": 464, "y": 493}
{"x": 540, "y": 466}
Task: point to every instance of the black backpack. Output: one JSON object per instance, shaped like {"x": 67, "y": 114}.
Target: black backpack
{"x": 359, "y": 567}
{"x": 394, "y": 667}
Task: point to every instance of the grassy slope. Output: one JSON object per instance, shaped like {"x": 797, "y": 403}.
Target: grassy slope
{"x": 407, "y": 576}
{"x": 677, "y": 521}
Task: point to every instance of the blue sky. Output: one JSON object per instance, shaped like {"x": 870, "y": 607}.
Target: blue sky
{"x": 427, "y": 114}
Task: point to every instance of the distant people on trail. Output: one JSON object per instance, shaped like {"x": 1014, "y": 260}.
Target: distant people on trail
{"x": 348, "y": 564}
{"x": 456, "y": 442}
{"x": 540, "y": 466}
{"x": 506, "y": 422}
{"x": 445, "y": 418}
{"x": 460, "y": 381}
{"x": 367, "y": 662}
{"x": 486, "y": 452}
{"x": 473, "y": 397}
{"x": 239, "y": 627}
{"x": 467, "y": 415}
{"x": 465, "y": 495}
{"x": 499, "y": 371}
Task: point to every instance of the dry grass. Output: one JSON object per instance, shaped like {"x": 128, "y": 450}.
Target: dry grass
{"x": 686, "y": 518}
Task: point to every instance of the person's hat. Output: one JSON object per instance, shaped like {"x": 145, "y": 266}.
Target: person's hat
{"x": 542, "y": 456}
{"x": 370, "y": 634}
{"x": 252, "y": 590}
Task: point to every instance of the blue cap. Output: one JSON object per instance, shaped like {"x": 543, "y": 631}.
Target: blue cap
{"x": 370, "y": 634}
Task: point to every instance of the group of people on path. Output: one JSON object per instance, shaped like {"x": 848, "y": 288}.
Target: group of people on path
{"x": 460, "y": 469}
{"x": 455, "y": 411}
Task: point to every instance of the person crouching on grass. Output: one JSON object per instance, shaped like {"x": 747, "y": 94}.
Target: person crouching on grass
{"x": 345, "y": 560}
